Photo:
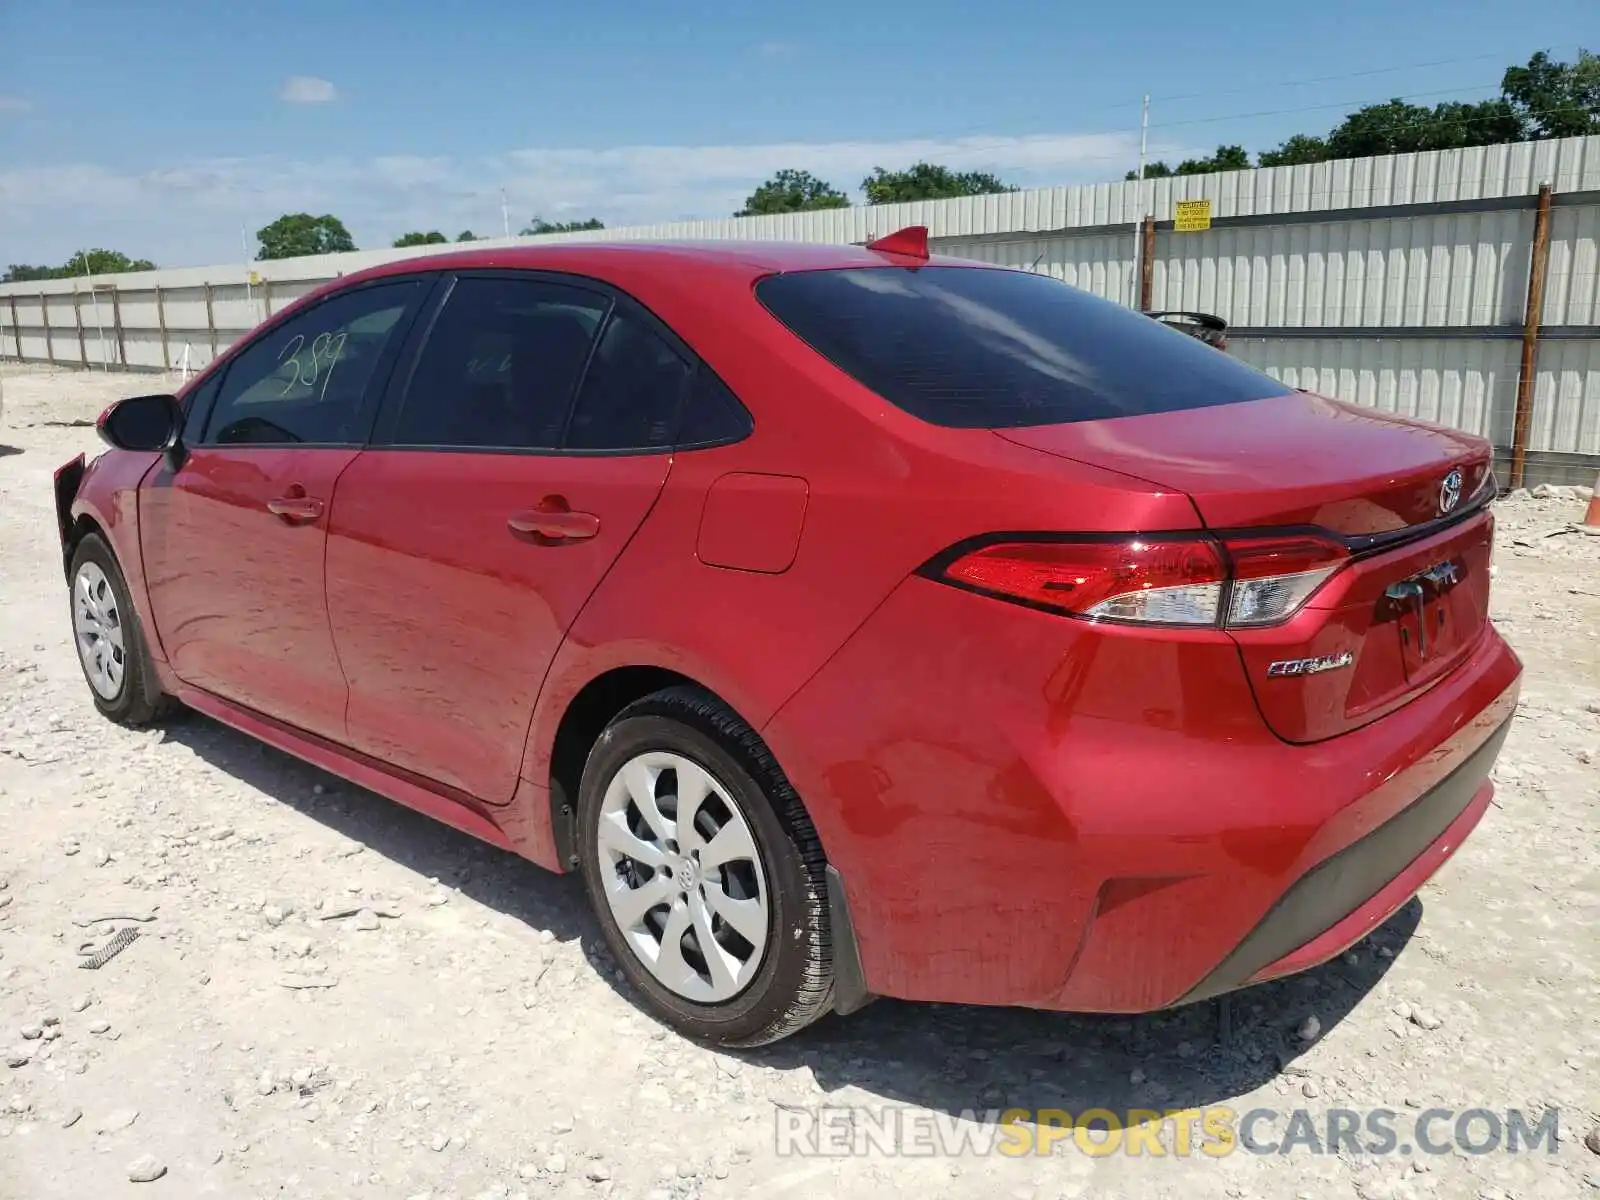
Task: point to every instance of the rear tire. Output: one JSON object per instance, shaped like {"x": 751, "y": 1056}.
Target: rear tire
{"x": 110, "y": 641}
{"x": 745, "y": 870}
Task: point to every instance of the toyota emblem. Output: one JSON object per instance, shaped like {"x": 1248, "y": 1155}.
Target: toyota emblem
{"x": 1450, "y": 491}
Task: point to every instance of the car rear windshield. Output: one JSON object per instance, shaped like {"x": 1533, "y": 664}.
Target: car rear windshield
{"x": 980, "y": 348}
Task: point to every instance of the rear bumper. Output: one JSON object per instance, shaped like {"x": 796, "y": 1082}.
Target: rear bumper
{"x": 1348, "y": 895}
{"x": 1027, "y": 810}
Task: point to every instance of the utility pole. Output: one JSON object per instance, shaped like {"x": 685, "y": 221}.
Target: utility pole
{"x": 505, "y": 213}
{"x": 1144, "y": 132}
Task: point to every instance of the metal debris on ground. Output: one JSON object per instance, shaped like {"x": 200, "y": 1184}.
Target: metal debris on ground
{"x": 113, "y": 946}
{"x": 142, "y": 918}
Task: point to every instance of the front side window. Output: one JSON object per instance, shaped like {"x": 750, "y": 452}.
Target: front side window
{"x": 980, "y": 348}
{"x": 500, "y": 366}
{"x": 306, "y": 381}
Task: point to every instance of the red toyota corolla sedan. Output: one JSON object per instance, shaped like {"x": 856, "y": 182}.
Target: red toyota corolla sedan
{"x": 856, "y": 622}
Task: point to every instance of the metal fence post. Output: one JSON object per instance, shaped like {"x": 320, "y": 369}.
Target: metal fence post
{"x": 211, "y": 323}
{"x": 116, "y": 323}
{"x": 1147, "y": 262}
{"x": 44, "y": 315}
{"x": 77, "y": 319}
{"x": 1527, "y": 374}
{"x": 161, "y": 320}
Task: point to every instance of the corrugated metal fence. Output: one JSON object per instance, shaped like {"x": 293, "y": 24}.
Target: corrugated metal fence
{"x": 1402, "y": 282}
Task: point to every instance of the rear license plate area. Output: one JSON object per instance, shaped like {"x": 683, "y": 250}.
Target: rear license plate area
{"x": 1437, "y": 616}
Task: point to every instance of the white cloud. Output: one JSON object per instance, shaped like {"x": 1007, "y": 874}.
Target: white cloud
{"x": 307, "y": 89}
{"x": 15, "y": 104}
{"x": 191, "y": 213}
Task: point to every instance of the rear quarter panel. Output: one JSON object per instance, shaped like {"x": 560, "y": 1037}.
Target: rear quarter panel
{"x": 884, "y": 493}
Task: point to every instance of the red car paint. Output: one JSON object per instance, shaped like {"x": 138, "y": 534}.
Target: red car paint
{"x": 1024, "y": 807}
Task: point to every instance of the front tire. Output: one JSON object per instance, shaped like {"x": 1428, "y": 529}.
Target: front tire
{"x": 705, "y": 872}
{"x": 109, "y": 640}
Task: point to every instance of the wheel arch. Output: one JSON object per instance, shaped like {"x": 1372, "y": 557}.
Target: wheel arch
{"x": 586, "y": 715}
{"x": 80, "y": 527}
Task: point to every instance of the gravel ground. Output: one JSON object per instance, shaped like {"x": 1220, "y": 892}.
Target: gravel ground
{"x": 460, "y": 1033}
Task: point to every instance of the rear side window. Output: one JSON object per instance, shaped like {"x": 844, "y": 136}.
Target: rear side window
{"x": 631, "y": 391}
{"x": 500, "y": 366}
{"x": 979, "y": 348}
{"x": 712, "y": 415}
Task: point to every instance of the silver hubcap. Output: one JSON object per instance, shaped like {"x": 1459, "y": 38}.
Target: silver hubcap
{"x": 683, "y": 877}
{"x": 97, "y": 622}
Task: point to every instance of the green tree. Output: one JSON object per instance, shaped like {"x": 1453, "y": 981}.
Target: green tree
{"x": 1546, "y": 98}
{"x": 1555, "y": 99}
{"x": 928, "y": 181}
{"x": 792, "y": 191}
{"x": 92, "y": 262}
{"x": 296, "y": 235}
{"x": 431, "y": 238}
{"x": 1294, "y": 152}
{"x": 466, "y": 235}
{"x": 540, "y": 225}
{"x": 104, "y": 262}
{"x": 1227, "y": 158}
{"x": 1154, "y": 170}
{"x": 23, "y": 273}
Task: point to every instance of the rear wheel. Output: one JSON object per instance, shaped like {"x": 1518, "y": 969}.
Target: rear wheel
{"x": 705, "y": 872}
{"x": 110, "y": 643}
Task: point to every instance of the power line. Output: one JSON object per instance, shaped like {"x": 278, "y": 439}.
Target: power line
{"x": 1438, "y": 62}
{"x": 1346, "y": 104}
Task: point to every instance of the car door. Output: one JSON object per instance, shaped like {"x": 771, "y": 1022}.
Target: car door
{"x": 234, "y": 539}
{"x": 506, "y": 475}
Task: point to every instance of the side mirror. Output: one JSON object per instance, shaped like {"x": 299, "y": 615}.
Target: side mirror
{"x": 145, "y": 423}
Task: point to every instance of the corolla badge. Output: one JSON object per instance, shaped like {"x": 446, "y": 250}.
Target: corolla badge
{"x": 1310, "y": 666}
{"x": 1450, "y": 491}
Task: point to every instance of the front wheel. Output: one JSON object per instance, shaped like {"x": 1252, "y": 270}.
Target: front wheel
{"x": 109, "y": 641}
{"x": 705, "y": 872}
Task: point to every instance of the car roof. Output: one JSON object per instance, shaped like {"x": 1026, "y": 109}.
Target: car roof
{"x": 749, "y": 259}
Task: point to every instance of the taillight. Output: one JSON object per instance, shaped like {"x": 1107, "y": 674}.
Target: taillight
{"x": 1195, "y": 581}
{"x": 1274, "y": 576}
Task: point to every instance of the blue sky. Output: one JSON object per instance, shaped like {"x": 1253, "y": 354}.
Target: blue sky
{"x": 163, "y": 128}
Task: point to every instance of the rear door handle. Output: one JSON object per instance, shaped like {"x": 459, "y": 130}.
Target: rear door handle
{"x": 555, "y": 520}
{"x": 295, "y": 509}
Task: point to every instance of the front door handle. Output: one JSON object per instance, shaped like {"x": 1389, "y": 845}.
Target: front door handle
{"x": 295, "y": 509}
{"x": 554, "y": 520}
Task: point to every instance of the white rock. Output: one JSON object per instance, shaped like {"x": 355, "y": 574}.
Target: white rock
{"x": 117, "y": 1119}
{"x": 1310, "y": 1029}
{"x": 147, "y": 1168}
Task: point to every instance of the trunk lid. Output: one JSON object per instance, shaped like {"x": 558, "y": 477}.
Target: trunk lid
{"x": 1298, "y": 459}
{"x": 1401, "y": 614}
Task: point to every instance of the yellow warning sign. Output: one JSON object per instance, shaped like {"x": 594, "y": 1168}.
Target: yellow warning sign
{"x": 1192, "y": 216}
{"x": 255, "y": 278}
